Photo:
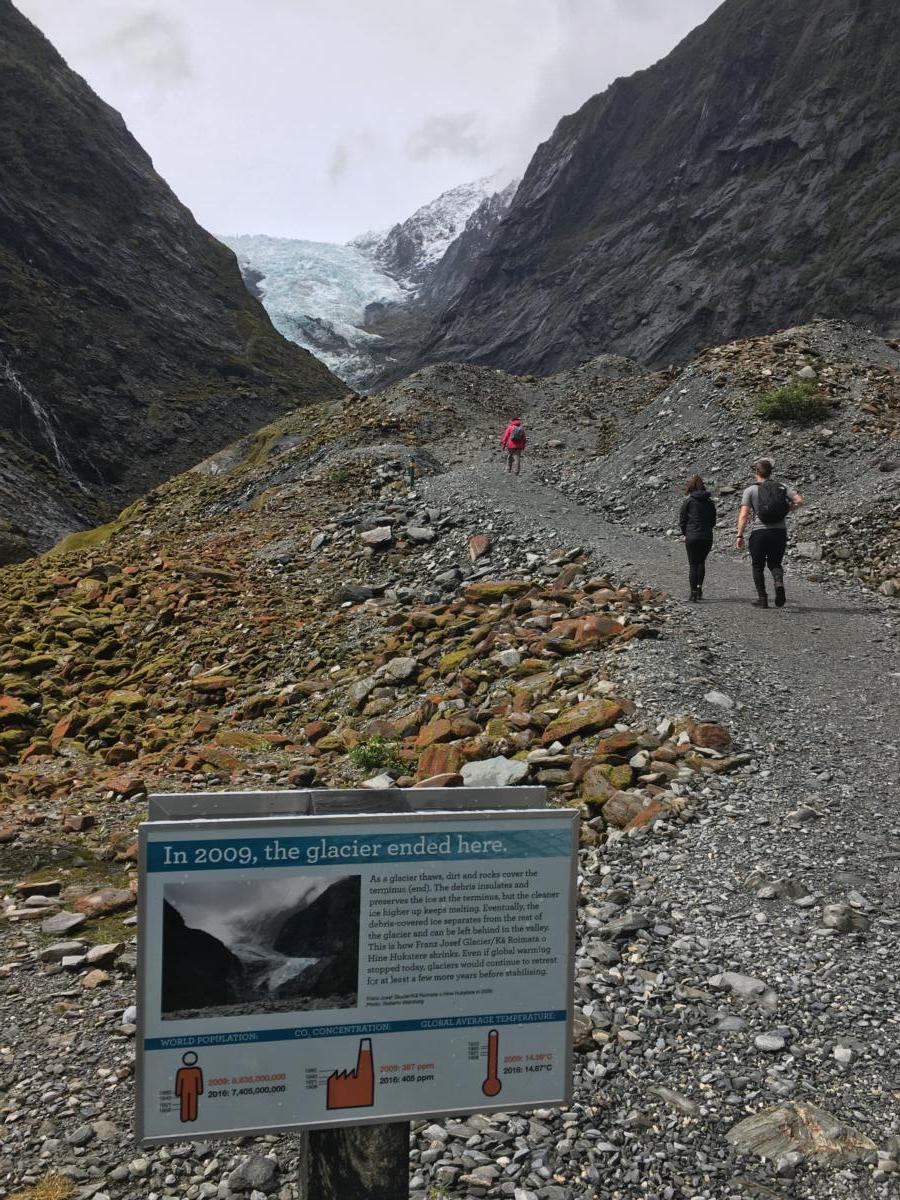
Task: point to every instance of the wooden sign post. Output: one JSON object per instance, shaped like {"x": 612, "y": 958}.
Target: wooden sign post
{"x": 363, "y": 1162}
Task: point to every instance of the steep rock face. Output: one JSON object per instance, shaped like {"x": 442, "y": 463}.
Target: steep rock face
{"x": 332, "y": 920}
{"x": 329, "y": 928}
{"x": 401, "y": 328}
{"x": 452, "y": 272}
{"x": 128, "y": 343}
{"x": 748, "y": 181}
{"x": 198, "y": 970}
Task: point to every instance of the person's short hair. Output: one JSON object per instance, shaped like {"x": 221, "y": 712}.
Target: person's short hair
{"x": 694, "y": 484}
{"x": 763, "y": 466}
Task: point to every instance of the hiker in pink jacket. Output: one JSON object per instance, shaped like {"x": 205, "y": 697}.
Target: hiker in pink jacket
{"x": 513, "y": 442}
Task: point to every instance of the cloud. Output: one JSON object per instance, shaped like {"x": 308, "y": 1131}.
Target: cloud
{"x": 451, "y": 134}
{"x": 591, "y": 43}
{"x": 152, "y": 46}
{"x": 338, "y": 164}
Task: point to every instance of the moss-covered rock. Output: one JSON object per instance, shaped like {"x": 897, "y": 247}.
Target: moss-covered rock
{"x": 588, "y": 717}
{"x": 490, "y": 591}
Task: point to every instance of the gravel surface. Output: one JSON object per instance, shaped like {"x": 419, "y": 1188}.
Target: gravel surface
{"x": 808, "y": 837}
{"x": 737, "y": 959}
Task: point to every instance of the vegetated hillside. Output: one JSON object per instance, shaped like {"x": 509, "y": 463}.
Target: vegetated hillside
{"x": 748, "y": 181}
{"x": 128, "y": 345}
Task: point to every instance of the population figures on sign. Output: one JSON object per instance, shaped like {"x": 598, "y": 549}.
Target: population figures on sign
{"x": 311, "y": 971}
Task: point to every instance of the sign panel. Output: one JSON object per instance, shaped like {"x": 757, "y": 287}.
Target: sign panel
{"x": 312, "y": 971}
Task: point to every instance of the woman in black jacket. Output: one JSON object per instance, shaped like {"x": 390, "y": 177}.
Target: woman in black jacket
{"x": 697, "y": 520}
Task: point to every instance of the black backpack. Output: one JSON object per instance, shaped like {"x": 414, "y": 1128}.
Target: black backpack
{"x": 772, "y": 503}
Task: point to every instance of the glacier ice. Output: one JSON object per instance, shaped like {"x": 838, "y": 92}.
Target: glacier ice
{"x": 316, "y": 294}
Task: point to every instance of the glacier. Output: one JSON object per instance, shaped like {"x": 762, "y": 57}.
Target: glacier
{"x": 316, "y": 294}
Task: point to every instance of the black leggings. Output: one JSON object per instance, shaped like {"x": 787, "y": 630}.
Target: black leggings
{"x": 767, "y": 547}
{"x": 697, "y": 551}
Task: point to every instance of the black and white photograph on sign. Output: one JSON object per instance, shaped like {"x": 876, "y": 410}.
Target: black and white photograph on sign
{"x": 259, "y": 945}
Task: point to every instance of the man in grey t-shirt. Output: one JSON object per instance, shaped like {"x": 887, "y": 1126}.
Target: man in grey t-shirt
{"x": 768, "y": 539}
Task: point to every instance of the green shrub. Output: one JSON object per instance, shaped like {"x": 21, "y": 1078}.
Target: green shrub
{"x": 373, "y": 754}
{"x": 802, "y": 402}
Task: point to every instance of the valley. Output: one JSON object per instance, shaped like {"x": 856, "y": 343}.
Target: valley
{"x": 257, "y": 532}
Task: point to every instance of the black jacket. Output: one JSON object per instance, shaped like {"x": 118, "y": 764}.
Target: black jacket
{"x": 698, "y": 515}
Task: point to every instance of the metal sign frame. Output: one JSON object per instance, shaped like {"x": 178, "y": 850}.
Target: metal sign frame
{"x": 239, "y": 811}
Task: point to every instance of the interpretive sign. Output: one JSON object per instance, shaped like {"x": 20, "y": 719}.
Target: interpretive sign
{"x": 307, "y": 971}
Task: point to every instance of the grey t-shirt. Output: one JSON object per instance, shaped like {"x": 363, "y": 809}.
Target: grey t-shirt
{"x": 750, "y": 497}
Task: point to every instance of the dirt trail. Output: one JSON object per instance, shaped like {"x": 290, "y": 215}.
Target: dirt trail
{"x": 815, "y": 699}
{"x": 819, "y": 678}
{"x": 833, "y": 650}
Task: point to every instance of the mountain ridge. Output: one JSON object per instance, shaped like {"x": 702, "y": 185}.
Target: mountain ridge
{"x": 728, "y": 190}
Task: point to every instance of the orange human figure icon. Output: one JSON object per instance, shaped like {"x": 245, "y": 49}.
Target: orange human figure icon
{"x": 189, "y": 1086}
{"x": 354, "y": 1089}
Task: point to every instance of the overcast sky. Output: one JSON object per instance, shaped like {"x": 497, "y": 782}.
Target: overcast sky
{"x": 324, "y": 118}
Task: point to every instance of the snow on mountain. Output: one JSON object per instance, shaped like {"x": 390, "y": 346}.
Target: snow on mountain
{"x": 409, "y": 250}
{"x": 316, "y": 294}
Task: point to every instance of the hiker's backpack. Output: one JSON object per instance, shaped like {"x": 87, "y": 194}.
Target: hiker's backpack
{"x": 517, "y": 436}
{"x": 772, "y": 503}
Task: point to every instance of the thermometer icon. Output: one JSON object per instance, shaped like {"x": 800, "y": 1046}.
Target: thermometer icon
{"x": 492, "y": 1084}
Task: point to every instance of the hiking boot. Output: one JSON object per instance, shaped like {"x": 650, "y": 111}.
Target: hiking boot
{"x": 780, "y": 597}
{"x": 699, "y": 593}
{"x": 693, "y": 595}
{"x": 761, "y": 602}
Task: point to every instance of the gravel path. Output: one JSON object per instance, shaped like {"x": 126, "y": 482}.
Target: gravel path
{"x": 812, "y": 691}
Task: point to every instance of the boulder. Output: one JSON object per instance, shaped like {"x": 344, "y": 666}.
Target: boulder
{"x": 105, "y": 901}
{"x": 622, "y": 808}
{"x": 358, "y": 693}
{"x": 63, "y": 922}
{"x": 490, "y": 591}
{"x": 438, "y": 730}
{"x": 14, "y": 711}
{"x": 401, "y": 670}
{"x": 494, "y": 772}
{"x": 442, "y": 758}
{"x": 588, "y": 631}
{"x": 254, "y": 1174}
{"x": 421, "y": 534}
{"x": 379, "y": 538}
{"x": 590, "y": 716}
{"x": 710, "y": 736}
{"x": 804, "y": 1129}
{"x": 479, "y": 546}
{"x": 380, "y": 782}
